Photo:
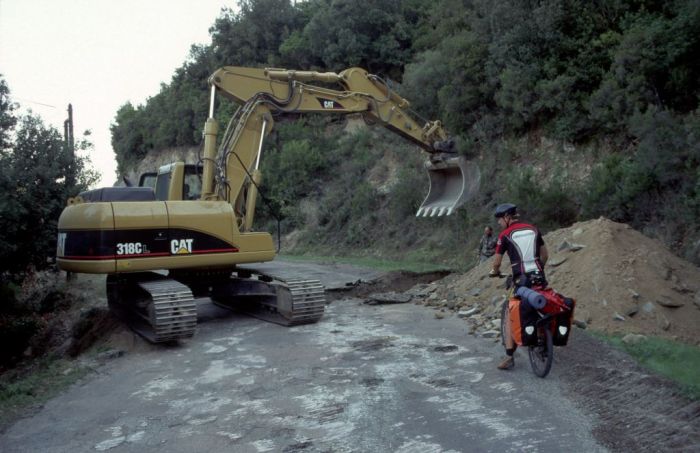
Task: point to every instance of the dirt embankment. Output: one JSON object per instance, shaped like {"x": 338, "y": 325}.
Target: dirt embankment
{"x": 623, "y": 282}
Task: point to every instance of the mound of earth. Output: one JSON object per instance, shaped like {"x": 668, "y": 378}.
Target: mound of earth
{"x": 623, "y": 282}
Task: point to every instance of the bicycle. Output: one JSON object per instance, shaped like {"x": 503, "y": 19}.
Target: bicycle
{"x": 541, "y": 354}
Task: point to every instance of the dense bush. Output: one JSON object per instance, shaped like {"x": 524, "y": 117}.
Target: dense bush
{"x": 548, "y": 203}
{"x": 40, "y": 172}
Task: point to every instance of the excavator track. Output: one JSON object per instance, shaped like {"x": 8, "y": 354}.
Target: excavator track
{"x": 284, "y": 301}
{"x": 157, "y": 308}
{"x": 298, "y": 302}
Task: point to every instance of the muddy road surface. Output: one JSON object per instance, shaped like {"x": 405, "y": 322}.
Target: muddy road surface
{"x": 366, "y": 378}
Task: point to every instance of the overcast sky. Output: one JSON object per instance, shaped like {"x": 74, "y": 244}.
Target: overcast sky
{"x": 96, "y": 55}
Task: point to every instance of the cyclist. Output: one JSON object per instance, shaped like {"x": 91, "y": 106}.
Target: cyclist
{"x": 528, "y": 255}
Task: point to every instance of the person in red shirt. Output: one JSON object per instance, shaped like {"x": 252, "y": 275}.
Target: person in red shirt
{"x": 528, "y": 255}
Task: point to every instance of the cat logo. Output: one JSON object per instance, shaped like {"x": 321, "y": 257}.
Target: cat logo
{"x": 330, "y": 104}
{"x": 181, "y": 246}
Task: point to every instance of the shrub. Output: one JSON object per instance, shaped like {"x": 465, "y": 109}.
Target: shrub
{"x": 549, "y": 205}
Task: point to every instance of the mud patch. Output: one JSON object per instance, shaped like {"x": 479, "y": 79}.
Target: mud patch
{"x": 328, "y": 413}
{"x": 374, "y": 344}
{"x": 395, "y": 281}
{"x": 447, "y": 348}
{"x": 372, "y": 383}
{"x": 441, "y": 383}
{"x": 299, "y": 446}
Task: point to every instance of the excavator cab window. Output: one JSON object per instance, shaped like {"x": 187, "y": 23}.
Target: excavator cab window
{"x": 160, "y": 182}
{"x": 193, "y": 182}
{"x": 148, "y": 180}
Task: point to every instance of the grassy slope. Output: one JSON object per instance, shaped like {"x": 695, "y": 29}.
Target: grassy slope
{"x": 677, "y": 361}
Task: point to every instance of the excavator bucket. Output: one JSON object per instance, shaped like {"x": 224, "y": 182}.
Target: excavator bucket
{"x": 452, "y": 182}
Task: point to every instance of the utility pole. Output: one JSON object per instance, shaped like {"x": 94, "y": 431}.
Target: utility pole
{"x": 70, "y": 146}
{"x": 68, "y": 129}
{"x": 69, "y": 143}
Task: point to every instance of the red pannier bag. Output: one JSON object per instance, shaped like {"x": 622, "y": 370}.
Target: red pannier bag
{"x": 563, "y": 310}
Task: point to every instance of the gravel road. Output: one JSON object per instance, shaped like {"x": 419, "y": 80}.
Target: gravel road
{"x": 382, "y": 378}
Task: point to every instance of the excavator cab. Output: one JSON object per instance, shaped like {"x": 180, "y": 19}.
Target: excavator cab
{"x": 175, "y": 181}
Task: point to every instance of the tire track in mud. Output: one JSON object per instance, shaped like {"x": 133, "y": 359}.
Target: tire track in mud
{"x": 636, "y": 409}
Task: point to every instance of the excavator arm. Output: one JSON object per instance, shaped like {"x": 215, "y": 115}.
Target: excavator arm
{"x": 235, "y": 167}
{"x": 290, "y": 91}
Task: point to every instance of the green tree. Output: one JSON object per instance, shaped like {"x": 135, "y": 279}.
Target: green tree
{"x": 254, "y": 35}
{"x": 128, "y": 136}
{"x": 376, "y": 35}
{"x": 7, "y": 119}
{"x": 33, "y": 192}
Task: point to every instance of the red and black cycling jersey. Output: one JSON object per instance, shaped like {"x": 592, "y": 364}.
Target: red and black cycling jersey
{"x": 522, "y": 241}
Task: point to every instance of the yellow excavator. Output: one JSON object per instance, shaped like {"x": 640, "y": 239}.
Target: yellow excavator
{"x": 162, "y": 248}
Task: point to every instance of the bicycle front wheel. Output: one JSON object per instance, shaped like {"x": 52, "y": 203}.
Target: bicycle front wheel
{"x": 542, "y": 355}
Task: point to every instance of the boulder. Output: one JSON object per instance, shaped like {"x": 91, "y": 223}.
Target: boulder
{"x": 663, "y": 322}
{"x": 389, "y": 298}
{"x": 667, "y": 302}
{"x": 632, "y": 338}
{"x": 490, "y": 334}
{"x": 648, "y": 307}
{"x": 468, "y": 313}
{"x": 557, "y": 261}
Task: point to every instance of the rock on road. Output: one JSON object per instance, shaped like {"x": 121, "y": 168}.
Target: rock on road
{"x": 383, "y": 378}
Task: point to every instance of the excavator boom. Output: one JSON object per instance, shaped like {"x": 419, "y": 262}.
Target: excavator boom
{"x": 453, "y": 179}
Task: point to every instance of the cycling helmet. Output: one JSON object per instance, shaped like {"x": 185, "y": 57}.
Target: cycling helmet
{"x": 505, "y": 209}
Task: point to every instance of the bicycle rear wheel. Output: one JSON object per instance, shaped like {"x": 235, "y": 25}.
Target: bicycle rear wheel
{"x": 542, "y": 355}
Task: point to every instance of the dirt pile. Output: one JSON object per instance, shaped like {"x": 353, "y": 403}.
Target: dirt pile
{"x": 623, "y": 282}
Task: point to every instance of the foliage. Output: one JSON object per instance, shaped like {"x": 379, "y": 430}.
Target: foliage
{"x": 348, "y": 208}
{"x": 295, "y": 155}
{"x": 486, "y": 67}
{"x": 373, "y": 34}
{"x": 659, "y": 183}
{"x": 39, "y": 174}
{"x": 7, "y": 119}
{"x": 549, "y": 205}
